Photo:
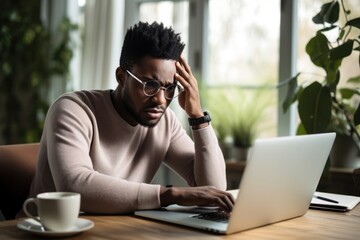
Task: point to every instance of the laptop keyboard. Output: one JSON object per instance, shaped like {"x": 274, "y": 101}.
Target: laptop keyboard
{"x": 219, "y": 216}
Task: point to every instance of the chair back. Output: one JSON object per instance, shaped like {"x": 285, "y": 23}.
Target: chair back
{"x": 17, "y": 168}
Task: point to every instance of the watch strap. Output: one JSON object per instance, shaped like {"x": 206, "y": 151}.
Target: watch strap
{"x": 204, "y": 119}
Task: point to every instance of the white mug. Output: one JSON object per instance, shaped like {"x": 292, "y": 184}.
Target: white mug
{"x": 57, "y": 211}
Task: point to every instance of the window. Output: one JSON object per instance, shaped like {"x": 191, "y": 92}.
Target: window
{"x": 232, "y": 44}
{"x": 244, "y": 54}
{"x": 174, "y": 14}
{"x": 243, "y": 42}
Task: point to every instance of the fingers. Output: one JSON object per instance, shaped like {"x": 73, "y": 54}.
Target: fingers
{"x": 189, "y": 99}
{"x": 185, "y": 65}
{"x": 224, "y": 201}
{"x": 184, "y": 75}
{"x": 203, "y": 196}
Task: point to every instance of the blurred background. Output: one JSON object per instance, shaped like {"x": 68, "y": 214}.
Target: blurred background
{"x": 241, "y": 52}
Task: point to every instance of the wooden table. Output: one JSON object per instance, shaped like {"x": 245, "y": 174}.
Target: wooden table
{"x": 315, "y": 224}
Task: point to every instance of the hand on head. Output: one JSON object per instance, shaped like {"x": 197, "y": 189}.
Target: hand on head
{"x": 189, "y": 99}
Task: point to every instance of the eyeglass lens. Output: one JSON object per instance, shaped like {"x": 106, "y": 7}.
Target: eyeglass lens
{"x": 153, "y": 87}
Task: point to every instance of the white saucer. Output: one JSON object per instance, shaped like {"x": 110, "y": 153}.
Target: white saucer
{"x": 34, "y": 227}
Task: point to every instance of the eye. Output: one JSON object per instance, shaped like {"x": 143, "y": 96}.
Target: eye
{"x": 152, "y": 84}
{"x": 171, "y": 88}
{"x": 151, "y": 87}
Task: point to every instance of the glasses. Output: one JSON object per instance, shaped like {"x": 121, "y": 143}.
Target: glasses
{"x": 152, "y": 87}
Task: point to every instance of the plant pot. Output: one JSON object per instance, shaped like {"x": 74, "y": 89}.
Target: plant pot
{"x": 240, "y": 153}
{"x": 226, "y": 149}
{"x": 344, "y": 153}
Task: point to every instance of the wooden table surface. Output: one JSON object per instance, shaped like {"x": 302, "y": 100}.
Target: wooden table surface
{"x": 315, "y": 224}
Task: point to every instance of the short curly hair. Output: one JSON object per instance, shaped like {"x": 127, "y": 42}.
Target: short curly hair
{"x": 154, "y": 40}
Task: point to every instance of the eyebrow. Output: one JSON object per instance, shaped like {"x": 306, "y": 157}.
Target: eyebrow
{"x": 142, "y": 78}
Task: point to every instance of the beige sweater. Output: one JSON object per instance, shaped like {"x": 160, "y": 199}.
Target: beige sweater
{"x": 88, "y": 148}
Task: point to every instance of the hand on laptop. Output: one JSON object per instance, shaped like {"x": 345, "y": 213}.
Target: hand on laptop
{"x": 200, "y": 196}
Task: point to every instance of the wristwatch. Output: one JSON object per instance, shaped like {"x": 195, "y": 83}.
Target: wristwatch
{"x": 204, "y": 119}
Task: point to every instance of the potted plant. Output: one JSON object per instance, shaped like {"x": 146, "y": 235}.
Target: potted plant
{"x": 30, "y": 56}
{"x": 218, "y": 105}
{"x": 248, "y": 113}
{"x": 324, "y": 105}
{"x": 237, "y": 117}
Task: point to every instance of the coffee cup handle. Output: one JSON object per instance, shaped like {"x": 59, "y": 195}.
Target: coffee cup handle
{"x": 25, "y": 205}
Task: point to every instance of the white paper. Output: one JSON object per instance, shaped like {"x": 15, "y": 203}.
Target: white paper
{"x": 345, "y": 202}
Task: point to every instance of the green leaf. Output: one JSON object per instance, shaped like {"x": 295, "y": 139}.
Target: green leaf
{"x": 291, "y": 95}
{"x": 329, "y": 13}
{"x": 341, "y": 35}
{"x": 319, "y": 52}
{"x": 317, "y": 49}
{"x": 342, "y": 51}
{"x": 354, "y": 22}
{"x": 301, "y": 130}
{"x": 355, "y": 80}
{"x": 347, "y": 93}
{"x": 315, "y": 108}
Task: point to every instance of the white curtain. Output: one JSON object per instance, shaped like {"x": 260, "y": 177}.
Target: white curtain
{"x": 52, "y": 13}
{"x": 103, "y": 35}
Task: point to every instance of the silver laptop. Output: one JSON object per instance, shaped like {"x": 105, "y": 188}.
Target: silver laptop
{"x": 278, "y": 183}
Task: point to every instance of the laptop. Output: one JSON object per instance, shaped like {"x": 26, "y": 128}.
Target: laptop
{"x": 278, "y": 183}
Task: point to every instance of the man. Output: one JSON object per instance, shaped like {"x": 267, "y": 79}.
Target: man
{"x": 108, "y": 145}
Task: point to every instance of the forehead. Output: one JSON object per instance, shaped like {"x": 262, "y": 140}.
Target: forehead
{"x": 160, "y": 69}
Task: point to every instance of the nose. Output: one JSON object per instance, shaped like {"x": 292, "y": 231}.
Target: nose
{"x": 159, "y": 97}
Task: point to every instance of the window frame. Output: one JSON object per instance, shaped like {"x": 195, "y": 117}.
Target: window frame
{"x": 198, "y": 48}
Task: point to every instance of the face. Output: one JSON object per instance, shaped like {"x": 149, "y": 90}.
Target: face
{"x": 140, "y": 108}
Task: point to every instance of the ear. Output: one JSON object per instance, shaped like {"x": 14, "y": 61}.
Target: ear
{"x": 120, "y": 76}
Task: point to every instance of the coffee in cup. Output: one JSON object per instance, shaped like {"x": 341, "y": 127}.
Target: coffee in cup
{"x": 57, "y": 211}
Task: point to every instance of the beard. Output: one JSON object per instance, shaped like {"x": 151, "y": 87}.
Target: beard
{"x": 137, "y": 116}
